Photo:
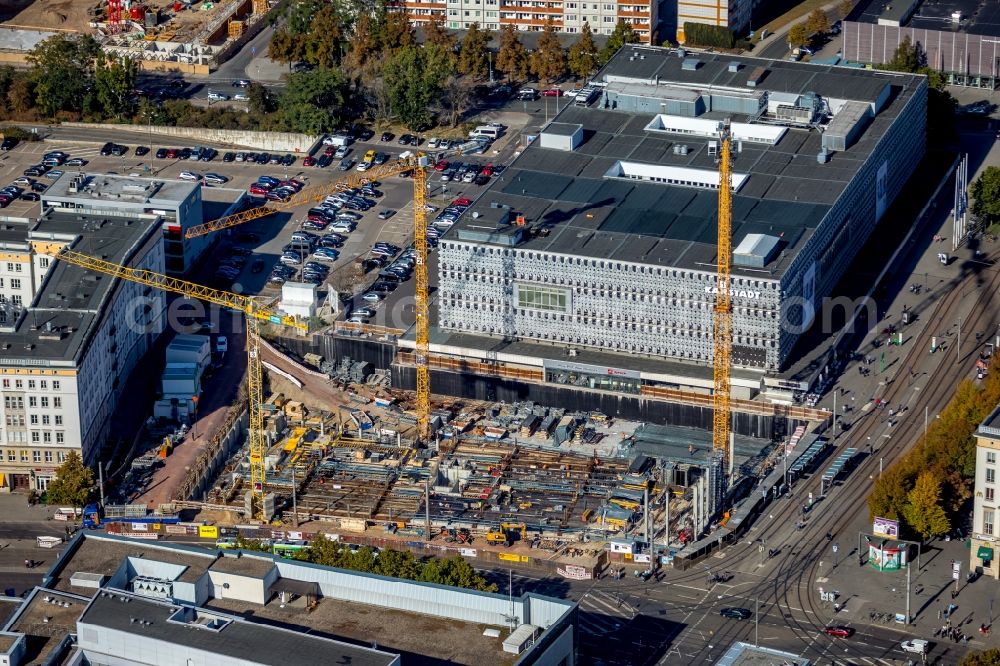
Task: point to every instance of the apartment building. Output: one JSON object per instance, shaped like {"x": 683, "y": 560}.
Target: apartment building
{"x": 531, "y": 15}
{"x": 66, "y": 354}
{"x": 732, "y": 14}
{"x": 18, "y": 274}
{"x": 983, "y": 553}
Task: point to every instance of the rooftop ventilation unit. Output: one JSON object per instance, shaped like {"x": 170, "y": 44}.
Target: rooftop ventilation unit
{"x": 756, "y": 76}
{"x": 690, "y": 64}
{"x": 734, "y": 67}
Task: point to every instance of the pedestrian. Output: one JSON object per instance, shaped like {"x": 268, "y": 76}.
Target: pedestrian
{"x": 27, "y": 564}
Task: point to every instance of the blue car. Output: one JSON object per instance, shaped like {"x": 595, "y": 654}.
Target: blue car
{"x": 270, "y": 180}
{"x": 327, "y": 253}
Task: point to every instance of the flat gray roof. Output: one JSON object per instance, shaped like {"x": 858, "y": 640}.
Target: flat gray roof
{"x": 561, "y": 129}
{"x": 61, "y": 319}
{"x": 249, "y": 642}
{"x": 978, "y": 18}
{"x": 787, "y": 193}
{"x": 108, "y": 188}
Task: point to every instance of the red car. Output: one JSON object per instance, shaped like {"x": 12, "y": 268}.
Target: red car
{"x": 171, "y": 153}
{"x": 838, "y": 632}
{"x": 441, "y": 166}
{"x": 259, "y": 189}
{"x": 487, "y": 170}
{"x": 308, "y": 161}
{"x": 552, "y": 92}
{"x": 461, "y": 201}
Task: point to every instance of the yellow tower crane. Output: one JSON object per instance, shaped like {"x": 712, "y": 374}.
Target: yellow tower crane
{"x": 722, "y": 317}
{"x": 254, "y": 313}
{"x": 418, "y": 164}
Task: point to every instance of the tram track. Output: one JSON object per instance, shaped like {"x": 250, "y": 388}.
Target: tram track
{"x": 788, "y": 588}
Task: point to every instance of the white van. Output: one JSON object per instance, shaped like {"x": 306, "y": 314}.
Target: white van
{"x": 486, "y": 131}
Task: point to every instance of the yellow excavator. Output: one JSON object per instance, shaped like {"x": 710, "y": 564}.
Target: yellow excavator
{"x": 507, "y": 533}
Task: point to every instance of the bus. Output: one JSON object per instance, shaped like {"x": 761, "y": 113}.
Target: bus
{"x": 289, "y": 548}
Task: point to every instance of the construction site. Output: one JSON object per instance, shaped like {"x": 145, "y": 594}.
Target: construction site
{"x": 329, "y": 446}
{"x": 181, "y": 36}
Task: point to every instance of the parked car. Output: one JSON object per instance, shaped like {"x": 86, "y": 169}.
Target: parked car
{"x": 371, "y": 297}
{"x": 386, "y": 214}
{"x": 387, "y": 136}
{"x": 215, "y": 179}
{"x": 552, "y": 92}
{"x": 161, "y": 153}
{"x": 141, "y": 150}
{"x": 346, "y": 164}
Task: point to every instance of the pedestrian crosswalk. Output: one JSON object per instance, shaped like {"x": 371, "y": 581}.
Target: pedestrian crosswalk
{"x": 603, "y": 613}
{"x": 865, "y": 661}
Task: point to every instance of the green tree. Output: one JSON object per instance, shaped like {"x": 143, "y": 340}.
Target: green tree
{"x": 313, "y": 102}
{"x": 74, "y": 483}
{"x": 114, "y": 83}
{"x": 923, "y": 511}
{"x": 260, "y": 102}
{"x": 844, "y": 8}
{"x": 906, "y": 58}
{"x": 623, "y": 34}
{"x": 436, "y": 33}
{"x": 63, "y": 72}
{"x": 512, "y": 57}
{"x": 817, "y": 22}
{"x": 413, "y": 78}
{"x": 473, "y": 58}
{"x": 456, "y": 572}
{"x": 986, "y": 195}
{"x": 548, "y": 60}
{"x": 798, "y": 35}
{"x": 583, "y": 55}
{"x": 990, "y": 657}
{"x": 397, "y": 564}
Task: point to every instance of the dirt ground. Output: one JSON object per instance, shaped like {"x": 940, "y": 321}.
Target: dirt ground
{"x": 73, "y": 15}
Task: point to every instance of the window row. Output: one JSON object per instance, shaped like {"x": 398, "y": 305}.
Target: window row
{"x": 42, "y": 384}
{"x": 22, "y": 455}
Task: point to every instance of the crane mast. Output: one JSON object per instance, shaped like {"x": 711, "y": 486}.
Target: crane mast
{"x": 419, "y": 164}
{"x": 422, "y": 350}
{"x": 722, "y": 317}
{"x": 254, "y": 314}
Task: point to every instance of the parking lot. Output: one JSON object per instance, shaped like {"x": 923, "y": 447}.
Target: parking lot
{"x": 267, "y": 236}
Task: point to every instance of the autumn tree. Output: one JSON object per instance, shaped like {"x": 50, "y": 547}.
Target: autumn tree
{"x": 325, "y": 43}
{"x": 512, "y": 57}
{"x": 623, "y": 34}
{"x": 473, "y": 58}
{"x": 436, "y": 33}
{"x": 907, "y": 57}
{"x": 798, "y": 35}
{"x": 548, "y": 60}
{"x": 817, "y": 22}
{"x": 396, "y": 32}
{"x": 313, "y": 102}
{"x": 583, "y": 55}
{"x": 74, "y": 483}
{"x": 364, "y": 43}
{"x": 990, "y": 657}
{"x": 923, "y": 511}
